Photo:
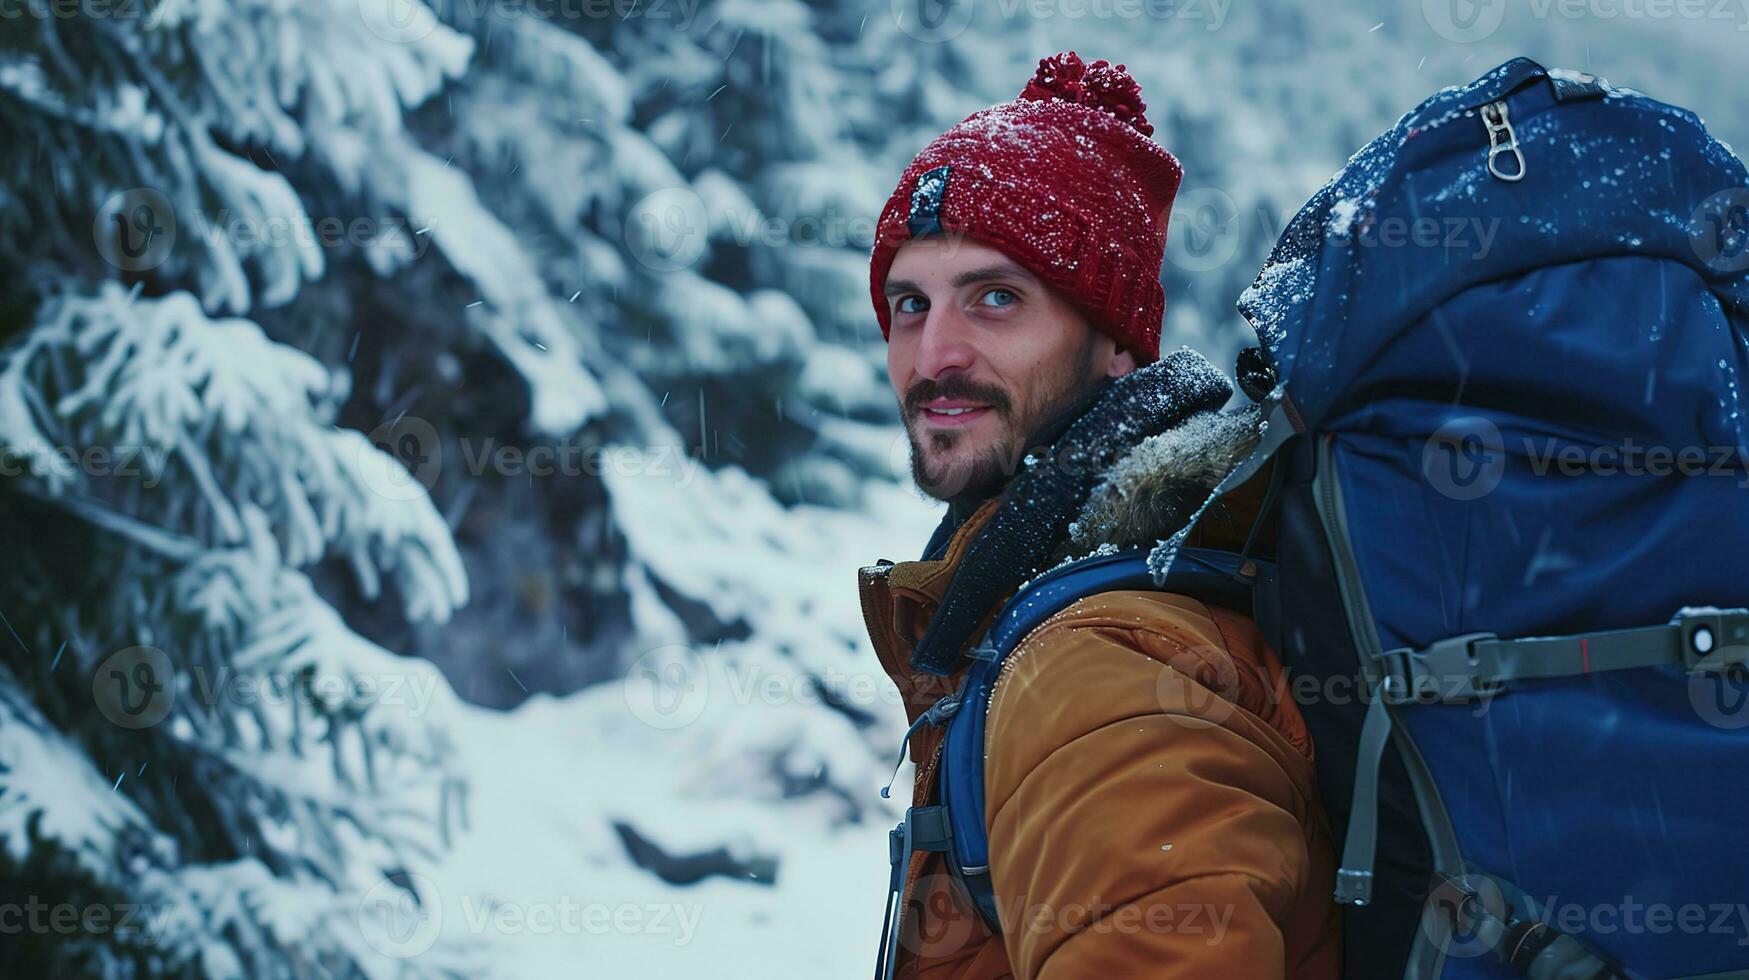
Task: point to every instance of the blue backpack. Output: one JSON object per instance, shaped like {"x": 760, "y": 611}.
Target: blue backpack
{"x": 1511, "y": 532}
{"x": 1501, "y": 357}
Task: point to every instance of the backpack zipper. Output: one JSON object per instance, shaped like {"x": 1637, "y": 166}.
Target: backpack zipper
{"x": 1501, "y": 139}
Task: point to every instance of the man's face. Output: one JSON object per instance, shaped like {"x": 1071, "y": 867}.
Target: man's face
{"x": 980, "y": 353}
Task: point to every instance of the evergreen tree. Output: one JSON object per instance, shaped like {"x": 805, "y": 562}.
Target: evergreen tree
{"x": 189, "y": 728}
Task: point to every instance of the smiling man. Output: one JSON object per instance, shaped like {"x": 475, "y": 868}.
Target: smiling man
{"x": 1149, "y": 793}
{"x": 999, "y": 329}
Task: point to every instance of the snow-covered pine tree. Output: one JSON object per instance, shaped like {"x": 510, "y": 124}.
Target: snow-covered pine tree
{"x": 274, "y": 765}
{"x": 656, "y": 174}
{"x": 200, "y": 151}
{"x": 190, "y": 736}
{"x": 689, "y": 195}
{"x": 743, "y": 207}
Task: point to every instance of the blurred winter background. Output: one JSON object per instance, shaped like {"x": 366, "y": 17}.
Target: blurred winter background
{"x": 439, "y": 439}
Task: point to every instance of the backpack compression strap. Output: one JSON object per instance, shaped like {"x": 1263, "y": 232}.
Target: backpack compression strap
{"x": 1477, "y": 666}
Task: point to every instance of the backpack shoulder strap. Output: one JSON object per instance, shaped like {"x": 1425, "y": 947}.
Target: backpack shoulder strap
{"x": 1200, "y": 572}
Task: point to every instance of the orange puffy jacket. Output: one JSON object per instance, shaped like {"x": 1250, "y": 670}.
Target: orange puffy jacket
{"x": 1150, "y": 797}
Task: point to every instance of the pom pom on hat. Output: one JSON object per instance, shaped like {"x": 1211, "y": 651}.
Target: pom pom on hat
{"x": 1100, "y": 85}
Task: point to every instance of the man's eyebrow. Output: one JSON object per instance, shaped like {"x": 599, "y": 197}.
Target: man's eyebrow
{"x": 998, "y": 270}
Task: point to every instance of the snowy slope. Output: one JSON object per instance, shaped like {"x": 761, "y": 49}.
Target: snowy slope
{"x": 679, "y": 753}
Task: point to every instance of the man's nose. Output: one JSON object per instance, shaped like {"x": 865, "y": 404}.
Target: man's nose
{"x": 945, "y": 345}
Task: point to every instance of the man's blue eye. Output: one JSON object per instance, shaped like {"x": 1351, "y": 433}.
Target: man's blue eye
{"x": 999, "y": 297}
{"x": 912, "y": 304}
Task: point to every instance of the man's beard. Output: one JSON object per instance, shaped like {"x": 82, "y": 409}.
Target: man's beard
{"x": 967, "y": 482}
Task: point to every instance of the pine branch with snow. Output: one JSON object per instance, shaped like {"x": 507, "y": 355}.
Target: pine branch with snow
{"x": 282, "y": 741}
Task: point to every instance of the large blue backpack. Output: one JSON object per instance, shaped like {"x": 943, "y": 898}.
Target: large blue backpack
{"x": 1502, "y": 352}
{"x": 1512, "y": 534}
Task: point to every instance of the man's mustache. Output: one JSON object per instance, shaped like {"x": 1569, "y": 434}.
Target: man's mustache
{"x": 925, "y": 390}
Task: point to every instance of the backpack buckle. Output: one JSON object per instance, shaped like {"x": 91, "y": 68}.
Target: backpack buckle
{"x": 1713, "y": 639}
{"x": 1353, "y": 886}
{"x": 1450, "y": 671}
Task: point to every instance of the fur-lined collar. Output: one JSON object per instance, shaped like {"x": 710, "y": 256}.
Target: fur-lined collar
{"x": 1155, "y": 490}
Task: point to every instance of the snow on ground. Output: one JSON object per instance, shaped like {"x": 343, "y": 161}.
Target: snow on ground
{"x": 540, "y": 884}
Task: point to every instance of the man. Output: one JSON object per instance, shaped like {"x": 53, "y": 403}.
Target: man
{"x": 1150, "y": 799}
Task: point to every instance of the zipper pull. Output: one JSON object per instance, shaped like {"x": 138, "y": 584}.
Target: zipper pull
{"x": 938, "y": 714}
{"x": 1501, "y": 139}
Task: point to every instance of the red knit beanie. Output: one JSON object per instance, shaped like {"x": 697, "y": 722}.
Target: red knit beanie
{"x": 1065, "y": 181}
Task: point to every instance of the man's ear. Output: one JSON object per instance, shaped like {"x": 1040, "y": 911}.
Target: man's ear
{"x": 1122, "y": 362}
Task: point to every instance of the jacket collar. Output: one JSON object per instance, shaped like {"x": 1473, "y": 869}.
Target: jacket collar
{"x": 899, "y": 601}
{"x": 951, "y": 521}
